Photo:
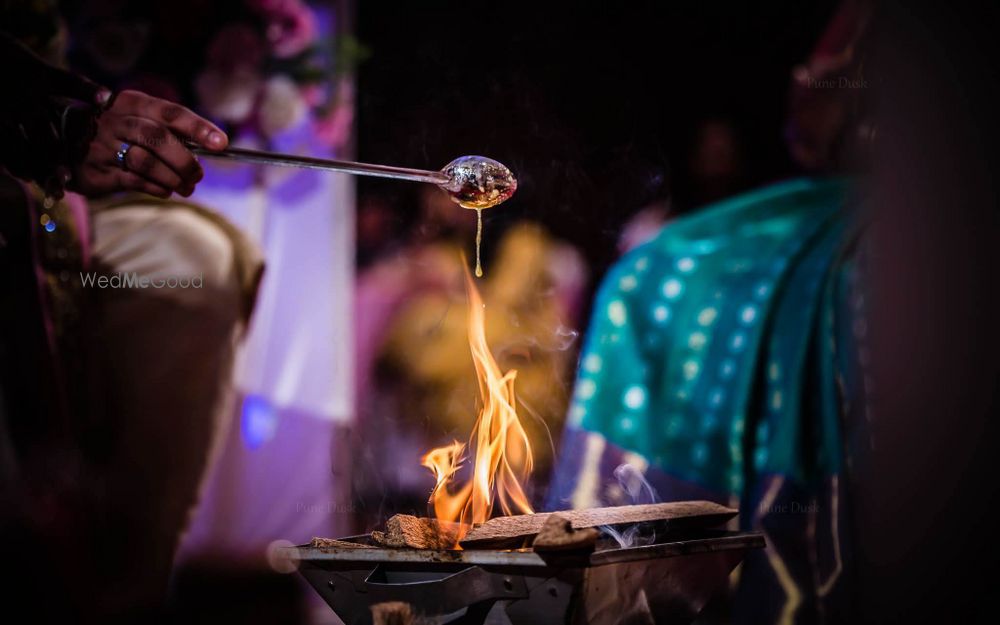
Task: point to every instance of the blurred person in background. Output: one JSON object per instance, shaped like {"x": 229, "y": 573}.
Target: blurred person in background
{"x": 111, "y": 399}
{"x": 712, "y": 169}
{"x": 928, "y": 490}
{"x": 273, "y": 76}
{"x": 715, "y": 168}
{"x": 416, "y": 384}
{"x": 726, "y": 358}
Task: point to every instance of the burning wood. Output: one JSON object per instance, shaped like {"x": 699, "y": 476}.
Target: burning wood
{"x": 549, "y": 530}
{"x": 404, "y": 530}
{"x": 557, "y": 534}
{"x": 330, "y": 543}
{"x": 501, "y": 452}
{"x": 501, "y": 464}
{"x": 503, "y": 531}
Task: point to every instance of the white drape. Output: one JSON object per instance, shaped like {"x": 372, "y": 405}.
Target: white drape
{"x": 298, "y": 353}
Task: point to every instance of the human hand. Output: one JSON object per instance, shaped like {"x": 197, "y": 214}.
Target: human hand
{"x": 156, "y": 161}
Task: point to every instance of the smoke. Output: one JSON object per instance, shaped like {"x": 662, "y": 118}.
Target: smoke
{"x": 635, "y": 485}
{"x": 564, "y": 338}
{"x": 637, "y": 490}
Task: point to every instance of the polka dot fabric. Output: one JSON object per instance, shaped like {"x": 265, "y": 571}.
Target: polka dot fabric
{"x": 726, "y": 361}
{"x": 686, "y": 325}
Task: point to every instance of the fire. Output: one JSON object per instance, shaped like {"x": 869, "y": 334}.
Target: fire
{"x": 502, "y": 451}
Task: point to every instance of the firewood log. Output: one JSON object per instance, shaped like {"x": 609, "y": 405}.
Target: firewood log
{"x": 404, "y": 530}
{"x": 392, "y": 613}
{"x": 506, "y": 530}
{"x": 557, "y": 534}
{"x": 328, "y": 543}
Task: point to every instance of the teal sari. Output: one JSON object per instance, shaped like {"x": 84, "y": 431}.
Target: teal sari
{"x": 722, "y": 362}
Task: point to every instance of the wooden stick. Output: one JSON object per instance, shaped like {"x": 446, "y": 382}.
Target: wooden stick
{"x": 504, "y": 529}
{"x": 392, "y": 613}
{"x": 404, "y": 530}
{"x": 557, "y": 534}
{"x": 328, "y": 543}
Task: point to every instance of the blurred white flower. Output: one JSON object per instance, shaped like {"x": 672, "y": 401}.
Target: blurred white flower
{"x": 282, "y": 105}
{"x": 228, "y": 96}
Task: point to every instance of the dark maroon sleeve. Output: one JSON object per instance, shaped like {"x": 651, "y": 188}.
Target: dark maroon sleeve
{"x": 47, "y": 115}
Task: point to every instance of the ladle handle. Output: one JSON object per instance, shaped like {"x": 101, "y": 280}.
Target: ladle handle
{"x": 310, "y": 162}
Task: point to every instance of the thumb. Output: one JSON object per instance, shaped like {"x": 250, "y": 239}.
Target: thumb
{"x": 61, "y": 83}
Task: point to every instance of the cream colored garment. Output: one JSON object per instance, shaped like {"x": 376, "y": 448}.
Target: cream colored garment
{"x": 167, "y": 363}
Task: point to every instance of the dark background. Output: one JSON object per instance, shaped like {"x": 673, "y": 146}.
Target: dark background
{"x": 593, "y": 108}
{"x": 593, "y": 105}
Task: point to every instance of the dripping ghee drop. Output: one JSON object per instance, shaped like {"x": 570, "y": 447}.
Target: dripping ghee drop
{"x": 477, "y": 182}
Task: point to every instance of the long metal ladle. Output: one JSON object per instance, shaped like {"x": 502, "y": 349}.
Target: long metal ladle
{"x": 475, "y": 182}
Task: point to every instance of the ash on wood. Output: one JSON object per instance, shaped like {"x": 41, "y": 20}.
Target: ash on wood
{"x": 392, "y": 613}
{"x": 404, "y": 530}
{"x": 557, "y": 534}
{"x": 329, "y": 543}
{"x": 503, "y": 530}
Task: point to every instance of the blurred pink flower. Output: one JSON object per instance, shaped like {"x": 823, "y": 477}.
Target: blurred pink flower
{"x": 236, "y": 45}
{"x": 314, "y": 94}
{"x": 293, "y": 33}
{"x": 334, "y": 128}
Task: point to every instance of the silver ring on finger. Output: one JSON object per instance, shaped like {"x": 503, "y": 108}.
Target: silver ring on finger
{"x": 121, "y": 154}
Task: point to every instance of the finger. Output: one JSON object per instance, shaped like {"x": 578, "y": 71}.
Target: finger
{"x": 141, "y": 161}
{"x": 178, "y": 119}
{"x": 101, "y": 174}
{"x": 71, "y": 85}
{"x": 130, "y": 181}
{"x": 156, "y": 139}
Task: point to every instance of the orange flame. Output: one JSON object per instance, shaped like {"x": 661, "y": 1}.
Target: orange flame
{"x": 502, "y": 451}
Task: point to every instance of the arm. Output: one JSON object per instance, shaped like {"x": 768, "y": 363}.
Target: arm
{"x": 46, "y": 116}
{"x": 61, "y": 130}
